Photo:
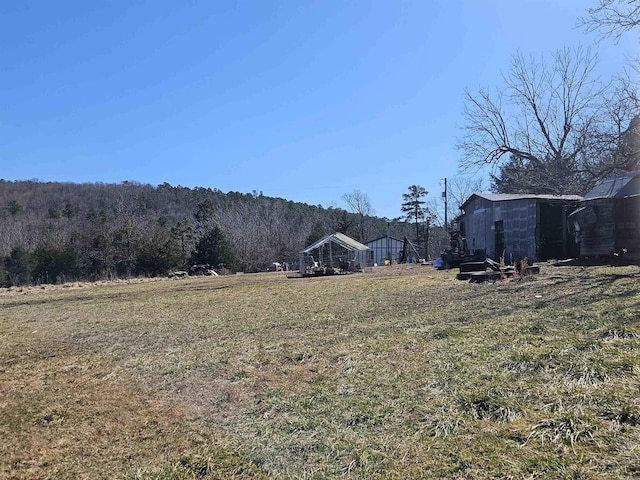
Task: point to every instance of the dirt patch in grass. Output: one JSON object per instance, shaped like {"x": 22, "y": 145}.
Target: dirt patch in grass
{"x": 79, "y": 416}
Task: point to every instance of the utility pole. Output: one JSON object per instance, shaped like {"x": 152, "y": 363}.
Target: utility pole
{"x": 446, "y": 220}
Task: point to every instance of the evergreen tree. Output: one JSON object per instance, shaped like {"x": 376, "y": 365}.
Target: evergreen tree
{"x": 212, "y": 249}
{"x": 413, "y": 207}
{"x": 55, "y": 264}
{"x": 14, "y": 208}
{"x": 18, "y": 266}
{"x": 159, "y": 253}
{"x": 204, "y": 215}
{"x": 553, "y": 177}
{"x": 184, "y": 234}
{"x": 70, "y": 210}
{"x": 54, "y": 213}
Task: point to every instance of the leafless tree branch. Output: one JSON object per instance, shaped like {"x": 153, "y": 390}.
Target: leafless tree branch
{"x": 547, "y": 114}
{"x": 612, "y": 18}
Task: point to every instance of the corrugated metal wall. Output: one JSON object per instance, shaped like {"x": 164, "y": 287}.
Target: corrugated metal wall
{"x": 617, "y": 226}
{"x": 626, "y": 215}
{"x": 598, "y": 240}
{"x": 380, "y": 249}
{"x": 477, "y": 221}
{"x": 518, "y": 219}
{"x": 520, "y": 228}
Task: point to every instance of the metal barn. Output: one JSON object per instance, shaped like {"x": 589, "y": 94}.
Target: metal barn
{"x": 386, "y": 248}
{"x": 607, "y": 221}
{"x": 518, "y": 226}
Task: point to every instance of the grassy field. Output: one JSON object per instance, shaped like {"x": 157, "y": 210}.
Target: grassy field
{"x": 399, "y": 373}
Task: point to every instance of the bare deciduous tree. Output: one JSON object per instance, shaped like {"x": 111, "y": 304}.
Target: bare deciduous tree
{"x": 612, "y": 18}
{"x": 553, "y": 117}
{"x": 359, "y": 204}
{"x": 459, "y": 189}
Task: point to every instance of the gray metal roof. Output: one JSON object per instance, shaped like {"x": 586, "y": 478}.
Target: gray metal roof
{"x": 340, "y": 239}
{"x": 613, "y": 186}
{"x": 505, "y": 197}
{"x": 384, "y": 237}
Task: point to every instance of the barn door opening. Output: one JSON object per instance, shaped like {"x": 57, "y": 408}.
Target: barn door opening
{"x": 554, "y": 240}
{"x": 499, "y": 231}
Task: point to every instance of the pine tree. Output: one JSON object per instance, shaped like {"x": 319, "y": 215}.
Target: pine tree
{"x": 414, "y": 208}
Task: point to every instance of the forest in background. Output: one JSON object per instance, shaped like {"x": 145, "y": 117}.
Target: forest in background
{"x": 55, "y": 232}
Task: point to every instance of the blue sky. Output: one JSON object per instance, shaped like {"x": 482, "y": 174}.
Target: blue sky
{"x": 303, "y": 100}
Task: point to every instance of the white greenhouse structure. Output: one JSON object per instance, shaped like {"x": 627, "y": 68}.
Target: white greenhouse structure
{"x": 335, "y": 254}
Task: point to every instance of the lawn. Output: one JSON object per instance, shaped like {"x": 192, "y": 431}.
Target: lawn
{"x": 404, "y": 372}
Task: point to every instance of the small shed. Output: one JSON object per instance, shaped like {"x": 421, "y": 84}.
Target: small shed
{"x": 335, "y": 253}
{"x": 518, "y": 226}
{"x": 607, "y": 220}
{"x": 386, "y": 248}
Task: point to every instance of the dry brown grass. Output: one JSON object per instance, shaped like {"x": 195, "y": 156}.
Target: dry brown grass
{"x": 400, "y": 373}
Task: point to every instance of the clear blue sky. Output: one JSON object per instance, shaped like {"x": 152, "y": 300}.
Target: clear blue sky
{"x": 304, "y": 100}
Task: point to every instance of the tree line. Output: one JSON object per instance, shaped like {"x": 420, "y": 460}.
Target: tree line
{"x": 54, "y": 232}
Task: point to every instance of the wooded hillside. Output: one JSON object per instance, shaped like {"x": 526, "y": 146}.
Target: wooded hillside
{"x": 55, "y": 232}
